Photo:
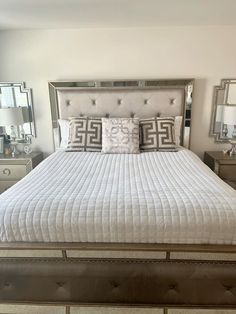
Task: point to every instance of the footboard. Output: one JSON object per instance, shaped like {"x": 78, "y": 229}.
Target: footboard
{"x": 164, "y": 276}
{"x": 119, "y": 282}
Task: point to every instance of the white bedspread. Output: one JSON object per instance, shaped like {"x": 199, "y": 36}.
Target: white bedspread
{"x": 90, "y": 197}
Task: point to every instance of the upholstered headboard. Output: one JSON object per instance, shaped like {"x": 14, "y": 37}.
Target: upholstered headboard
{"x": 137, "y": 98}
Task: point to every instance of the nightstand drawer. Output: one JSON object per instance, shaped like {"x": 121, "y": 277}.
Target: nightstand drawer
{"x": 228, "y": 172}
{"x": 12, "y": 172}
{"x": 4, "y": 185}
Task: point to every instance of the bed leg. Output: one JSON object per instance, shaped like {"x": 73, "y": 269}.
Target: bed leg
{"x": 165, "y": 310}
{"x": 67, "y": 310}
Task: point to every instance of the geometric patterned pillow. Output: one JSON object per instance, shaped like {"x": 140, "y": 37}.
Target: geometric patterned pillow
{"x": 85, "y": 135}
{"x": 157, "y": 134}
{"x": 120, "y": 135}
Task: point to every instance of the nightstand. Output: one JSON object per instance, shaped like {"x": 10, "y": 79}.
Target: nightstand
{"x": 13, "y": 169}
{"x": 223, "y": 165}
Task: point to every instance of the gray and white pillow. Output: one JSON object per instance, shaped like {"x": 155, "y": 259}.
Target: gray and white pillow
{"x": 85, "y": 135}
{"x": 157, "y": 134}
{"x": 178, "y": 127}
{"x": 120, "y": 135}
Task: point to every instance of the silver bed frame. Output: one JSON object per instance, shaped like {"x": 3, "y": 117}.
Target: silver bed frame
{"x": 104, "y": 264}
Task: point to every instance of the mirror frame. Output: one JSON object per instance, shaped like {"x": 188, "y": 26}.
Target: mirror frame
{"x": 220, "y": 92}
{"x": 29, "y": 95}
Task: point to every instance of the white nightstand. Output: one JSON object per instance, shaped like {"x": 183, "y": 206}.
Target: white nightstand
{"x": 13, "y": 169}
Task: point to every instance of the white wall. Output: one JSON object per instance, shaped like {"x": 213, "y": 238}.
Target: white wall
{"x": 36, "y": 57}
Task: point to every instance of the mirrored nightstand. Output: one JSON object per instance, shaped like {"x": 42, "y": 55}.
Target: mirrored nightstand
{"x": 223, "y": 165}
{"x": 13, "y": 169}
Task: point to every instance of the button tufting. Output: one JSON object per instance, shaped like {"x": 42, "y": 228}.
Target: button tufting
{"x": 114, "y": 284}
{"x": 172, "y": 101}
{"x": 60, "y": 284}
{"x": 145, "y": 101}
{"x": 119, "y": 102}
{"x": 132, "y": 115}
{"x": 94, "y": 102}
{"x": 228, "y": 288}
{"x": 68, "y": 103}
{"x": 107, "y": 115}
{"x": 172, "y": 287}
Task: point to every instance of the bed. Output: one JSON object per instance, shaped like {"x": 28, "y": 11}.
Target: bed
{"x": 152, "y": 197}
{"x": 152, "y": 229}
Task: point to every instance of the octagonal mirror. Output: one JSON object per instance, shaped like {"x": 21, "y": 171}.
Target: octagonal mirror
{"x": 223, "y": 126}
{"x": 16, "y": 111}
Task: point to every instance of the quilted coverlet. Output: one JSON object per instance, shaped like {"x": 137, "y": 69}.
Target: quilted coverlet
{"x": 155, "y": 197}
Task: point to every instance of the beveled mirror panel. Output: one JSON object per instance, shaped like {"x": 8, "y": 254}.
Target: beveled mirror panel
{"x": 16, "y": 95}
{"x": 223, "y": 126}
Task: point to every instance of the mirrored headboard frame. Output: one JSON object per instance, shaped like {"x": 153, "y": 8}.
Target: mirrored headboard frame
{"x": 61, "y": 91}
{"x": 220, "y": 96}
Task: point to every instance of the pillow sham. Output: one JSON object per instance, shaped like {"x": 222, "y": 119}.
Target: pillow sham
{"x": 157, "y": 134}
{"x": 64, "y": 131}
{"x": 178, "y": 129}
{"x": 120, "y": 135}
{"x": 85, "y": 135}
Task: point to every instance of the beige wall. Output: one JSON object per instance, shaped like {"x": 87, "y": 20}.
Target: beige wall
{"x": 36, "y": 57}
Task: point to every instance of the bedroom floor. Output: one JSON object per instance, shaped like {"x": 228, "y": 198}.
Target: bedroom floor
{"x": 22, "y": 309}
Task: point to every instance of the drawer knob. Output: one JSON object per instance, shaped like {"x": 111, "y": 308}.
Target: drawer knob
{"x": 7, "y": 172}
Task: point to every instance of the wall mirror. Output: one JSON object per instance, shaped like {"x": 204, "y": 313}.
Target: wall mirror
{"x": 223, "y": 126}
{"x": 16, "y": 111}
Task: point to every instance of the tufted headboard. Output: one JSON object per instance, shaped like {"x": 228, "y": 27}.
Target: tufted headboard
{"x": 133, "y": 98}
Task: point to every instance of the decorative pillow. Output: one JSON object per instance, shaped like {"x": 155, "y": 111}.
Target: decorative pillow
{"x": 120, "y": 135}
{"x": 157, "y": 134}
{"x": 85, "y": 135}
{"x": 65, "y": 131}
{"x": 178, "y": 127}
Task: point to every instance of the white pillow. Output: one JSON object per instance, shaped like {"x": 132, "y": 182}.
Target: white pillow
{"x": 178, "y": 129}
{"x": 64, "y": 130}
